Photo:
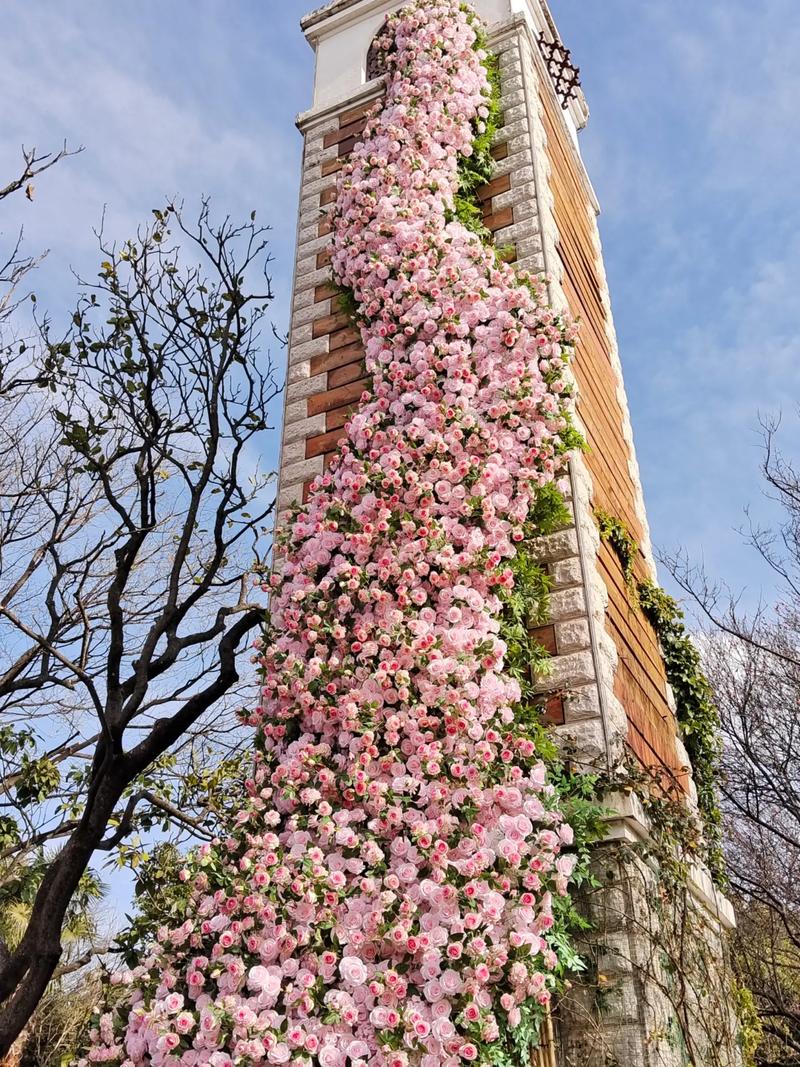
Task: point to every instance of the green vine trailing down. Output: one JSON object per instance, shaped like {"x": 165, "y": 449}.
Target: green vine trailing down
{"x": 617, "y": 535}
{"x": 751, "y": 1029}
{"x": 525, "y": 607}
{"x": 696, "y": 712}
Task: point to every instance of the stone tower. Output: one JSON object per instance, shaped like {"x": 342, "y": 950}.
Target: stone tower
{"x": 642, "y": 1001}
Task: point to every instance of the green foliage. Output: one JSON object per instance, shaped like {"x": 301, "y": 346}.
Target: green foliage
{"x": 31, "y": 780}
{"x": 475, "y": 170}
{"x": 19, "y": 884}
{"x": 481, "y": 162}
{"x": 751, "y": 1030}
{"x": 9, "y": 832}
{"x": 579, "y": 795}
{"x": 162, "y": 897}
{"x": 525, "y": 607}
{"x": 696, "y": 712}
{"x": 14, "y": 740}
{"x": 619, "y": 537}
{"x": 548, "y": 512}
{"x": 162, "y": 894}
{"x": 571, "y": 439}
{"x": 205, "y": 786}
{"x": 37, "y": 779}
{"x": 676, "y": 838}
{"x": 346, "y": 300}
{"x": 516, "y": 1044}
{"x": 506, "y": 253}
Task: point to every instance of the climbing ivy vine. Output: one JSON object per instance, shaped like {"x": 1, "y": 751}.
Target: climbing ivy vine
{"x": 696, "y": 712}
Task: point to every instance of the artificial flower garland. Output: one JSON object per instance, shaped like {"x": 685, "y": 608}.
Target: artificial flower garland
{"x": 385, "y": 899}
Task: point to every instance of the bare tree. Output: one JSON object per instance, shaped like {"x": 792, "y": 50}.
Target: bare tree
{"x": 753, "y": 661}
{"x": 133, "y": 517}
{"x": 15, "y": 266}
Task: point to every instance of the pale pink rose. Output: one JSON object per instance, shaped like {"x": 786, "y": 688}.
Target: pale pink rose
{"x": 353, "y": 970}
{"x": 174, "y": 1003}
{"x": 266, "y": 980}
{"x": 451, "y": 983}
{"x": 185, "y": 1022}
{"x": 330, "y": 1056}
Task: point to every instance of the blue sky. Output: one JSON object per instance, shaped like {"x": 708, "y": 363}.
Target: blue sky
{"x": 693, "y": 149}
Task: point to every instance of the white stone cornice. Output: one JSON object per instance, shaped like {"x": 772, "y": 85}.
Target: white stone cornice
{"x": 341, "y": 32}
{"x": 628, "y": 822}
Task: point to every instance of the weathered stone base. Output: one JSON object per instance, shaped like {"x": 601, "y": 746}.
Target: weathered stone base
{"x": 658, "y": 989}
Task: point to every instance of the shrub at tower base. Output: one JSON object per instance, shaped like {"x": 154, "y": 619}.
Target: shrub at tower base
{"x": 390, "y": 893}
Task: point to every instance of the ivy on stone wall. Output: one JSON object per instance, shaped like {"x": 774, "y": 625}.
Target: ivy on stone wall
{"x": 694, "y": 703}
{"x": 525, "y": 607}
{"x": 697, "y": 714}
{"x": 681, "y": 960}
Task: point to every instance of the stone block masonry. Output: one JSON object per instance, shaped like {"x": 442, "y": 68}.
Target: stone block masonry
{"x": 607, "y": 693}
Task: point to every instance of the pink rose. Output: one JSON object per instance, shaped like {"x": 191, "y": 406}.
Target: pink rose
{"x": 185, "y": 1022}
{"x": 330, "y": 1056}
{"x": 174, "y": 1003}
{"x": 353, "y": 970}
{"x": 265, "y": 980}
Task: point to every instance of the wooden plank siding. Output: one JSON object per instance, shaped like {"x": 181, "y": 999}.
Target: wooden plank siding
{"x": 640, "y": 681}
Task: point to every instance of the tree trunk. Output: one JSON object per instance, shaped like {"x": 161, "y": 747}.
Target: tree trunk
{"x": 24, "y": 976}
{"x": 14, "y": 1055}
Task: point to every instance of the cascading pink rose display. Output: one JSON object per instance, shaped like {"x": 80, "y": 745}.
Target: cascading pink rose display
{"x": 385, "y": 898}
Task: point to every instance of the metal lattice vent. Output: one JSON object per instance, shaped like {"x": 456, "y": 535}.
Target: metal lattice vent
{"x": 566, "y": 76}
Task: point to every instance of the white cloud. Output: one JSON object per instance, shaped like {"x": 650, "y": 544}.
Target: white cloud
{"x": 694, "y": 149}
{"x": 739, "y": 63}
{"x": 174, "y": 103}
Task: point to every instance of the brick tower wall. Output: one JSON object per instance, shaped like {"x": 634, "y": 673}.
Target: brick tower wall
{"x": 326, "y": 378}
{"x": 607, "y": 691}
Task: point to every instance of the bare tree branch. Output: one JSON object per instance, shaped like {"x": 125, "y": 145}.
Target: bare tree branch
{"x": 753, "y": 662}
{"x": 133, "y": 522}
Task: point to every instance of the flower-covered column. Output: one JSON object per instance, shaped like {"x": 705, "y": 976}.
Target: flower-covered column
{"x": 386, "y": 897}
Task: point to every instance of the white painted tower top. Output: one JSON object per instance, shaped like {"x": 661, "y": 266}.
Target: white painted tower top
{"x": 342, "y": 31}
